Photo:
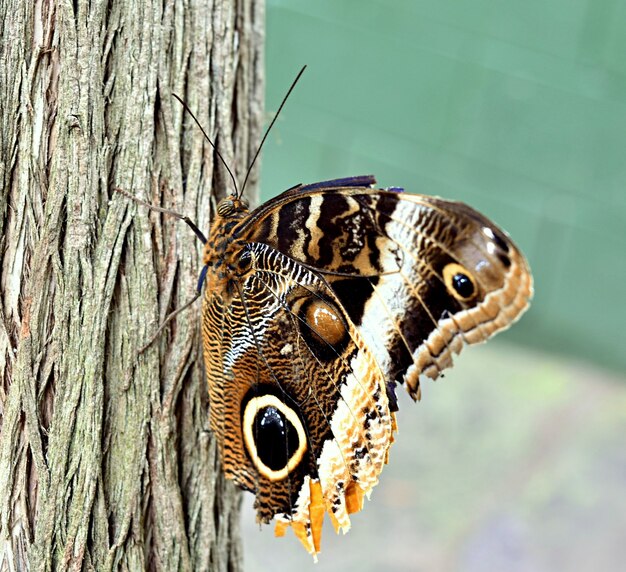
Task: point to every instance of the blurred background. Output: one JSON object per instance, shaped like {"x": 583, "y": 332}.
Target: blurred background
{"x": 517, "y": 460}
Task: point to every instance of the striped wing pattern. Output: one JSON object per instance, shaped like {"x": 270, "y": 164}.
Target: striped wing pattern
{"x": 316, "y": 305}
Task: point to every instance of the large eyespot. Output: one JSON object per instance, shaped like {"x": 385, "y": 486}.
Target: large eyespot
{"x": 459, "y": 282}
{"x": 322, "y": 327}
{"x": 274, "y": 436}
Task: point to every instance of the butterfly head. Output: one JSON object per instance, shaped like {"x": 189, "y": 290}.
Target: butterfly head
{"x": 226, "y": 258}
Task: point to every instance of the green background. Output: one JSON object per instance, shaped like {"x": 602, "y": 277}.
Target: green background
{"x": 517, "y": 108}
{"x": 516, "y": 461}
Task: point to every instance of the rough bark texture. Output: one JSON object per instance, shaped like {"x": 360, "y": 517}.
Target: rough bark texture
{"x": 106, "y": 461}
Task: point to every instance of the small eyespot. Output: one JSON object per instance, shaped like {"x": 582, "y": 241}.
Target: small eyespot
{"x": 322, "y": 327}
{"x": 459, "y": 282}
{"x": 324, "y": 321}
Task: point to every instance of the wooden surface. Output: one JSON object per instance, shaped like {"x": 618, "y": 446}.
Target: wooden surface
{"x": 105, "y": 458}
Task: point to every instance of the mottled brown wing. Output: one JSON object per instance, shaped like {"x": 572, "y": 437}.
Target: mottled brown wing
{"x": 314, "y": 305}
{"x": 298, "y": 404}
{"x": 418, "y": 276}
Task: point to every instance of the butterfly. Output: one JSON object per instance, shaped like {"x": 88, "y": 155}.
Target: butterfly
{"x": 316, "y": 305}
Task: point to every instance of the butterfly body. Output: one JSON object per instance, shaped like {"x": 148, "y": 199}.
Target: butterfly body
{"x": 315, "y": 305}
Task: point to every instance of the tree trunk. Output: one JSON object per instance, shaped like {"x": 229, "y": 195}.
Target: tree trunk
{"x": 106, "y": 461}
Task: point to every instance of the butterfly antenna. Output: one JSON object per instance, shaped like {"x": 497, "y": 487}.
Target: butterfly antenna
{"x": 186, "y": 108}
{"x": 295, "y": 81}
{"x": 152, "y": 207}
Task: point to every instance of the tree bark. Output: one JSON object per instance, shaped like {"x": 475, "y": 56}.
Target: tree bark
{"x": 106, "y": 461}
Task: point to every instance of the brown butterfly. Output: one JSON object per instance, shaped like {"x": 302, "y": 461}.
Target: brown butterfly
{"x": 316, "y": 305}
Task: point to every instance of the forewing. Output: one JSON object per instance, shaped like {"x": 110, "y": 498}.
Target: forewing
{"x": 418, "y": 276}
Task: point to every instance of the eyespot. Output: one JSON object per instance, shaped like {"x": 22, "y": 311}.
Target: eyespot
{"x": 322, "y": 326}
{"x": 459, "y": 282}
{"x": 324, "y": 321}
{"x": 274, "y": 436}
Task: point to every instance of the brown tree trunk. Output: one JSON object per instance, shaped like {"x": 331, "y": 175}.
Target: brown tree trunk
{"x": 106, "y": 461}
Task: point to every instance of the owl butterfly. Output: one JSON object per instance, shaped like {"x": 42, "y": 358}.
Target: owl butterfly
{"x": 316, "y": 305}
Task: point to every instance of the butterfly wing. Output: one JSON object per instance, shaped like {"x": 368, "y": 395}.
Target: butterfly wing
{"x": 418, "y": 276}
{"x": 298, "y": 403}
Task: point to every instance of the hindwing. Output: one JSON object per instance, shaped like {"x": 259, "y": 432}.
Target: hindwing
{"x": 298, "y": 403}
